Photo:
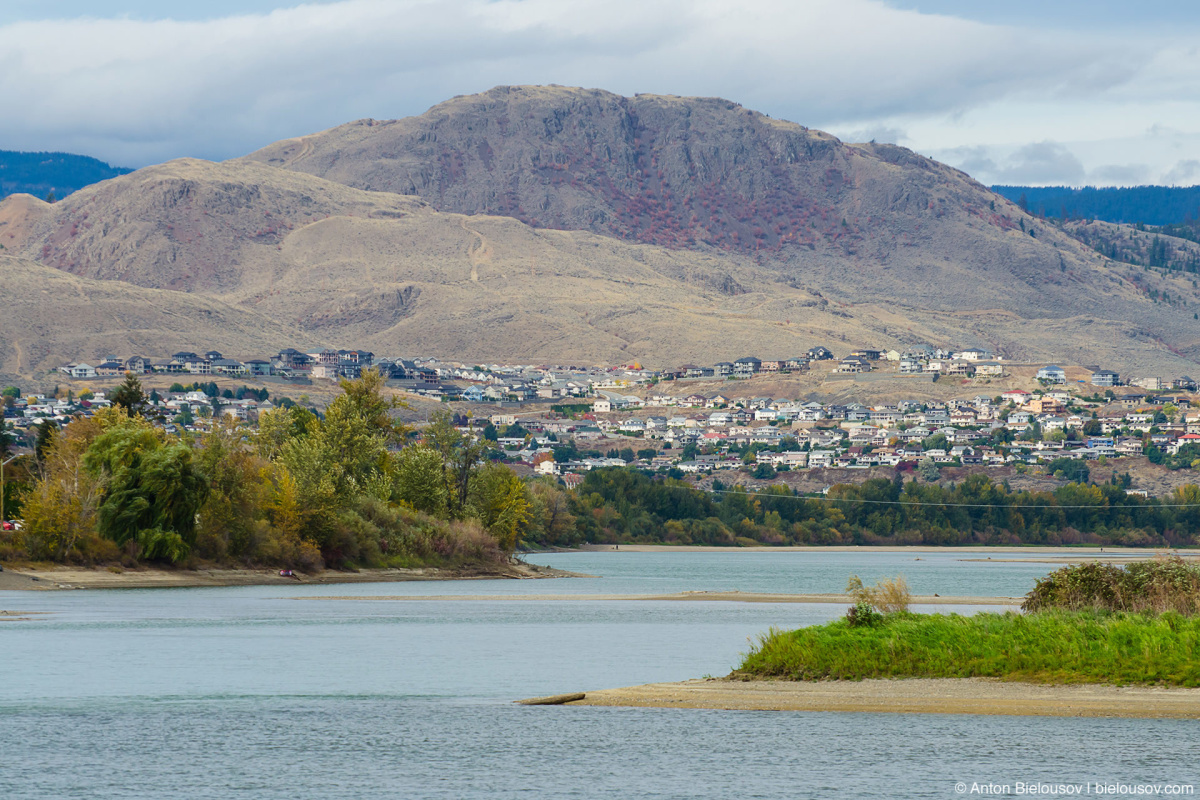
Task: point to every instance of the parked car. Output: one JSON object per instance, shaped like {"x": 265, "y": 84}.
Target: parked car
{"x": 9, "y": 525}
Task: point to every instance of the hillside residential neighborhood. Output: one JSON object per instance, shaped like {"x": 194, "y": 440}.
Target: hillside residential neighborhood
{"x": 562, "y": 420}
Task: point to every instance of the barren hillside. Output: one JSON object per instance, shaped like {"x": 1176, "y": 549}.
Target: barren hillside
{"x": 51, "y": 318}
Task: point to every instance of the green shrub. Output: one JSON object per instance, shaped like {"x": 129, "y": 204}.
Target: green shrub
{"x": 1156, "y": 586}
{"x": 863, "y": 615}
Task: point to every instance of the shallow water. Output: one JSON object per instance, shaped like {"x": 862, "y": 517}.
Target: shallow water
{"x": 266, "y": 692}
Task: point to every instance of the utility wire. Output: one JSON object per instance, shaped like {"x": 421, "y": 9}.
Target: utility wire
{"x": 827, "y": 499}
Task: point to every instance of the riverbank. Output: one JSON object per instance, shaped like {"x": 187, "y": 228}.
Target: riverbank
{"x": 909, "y": 696}
{"x": 53, "y": 578}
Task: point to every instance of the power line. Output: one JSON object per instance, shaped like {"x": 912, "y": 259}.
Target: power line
{"x": 922, "y": 503}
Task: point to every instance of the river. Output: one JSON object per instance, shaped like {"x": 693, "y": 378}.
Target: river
{"x": 390, "y": 690}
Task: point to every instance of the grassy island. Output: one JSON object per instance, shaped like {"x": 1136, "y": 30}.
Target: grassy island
{"x": 1045, "y": 647}
{"x": 1083, "y": 624}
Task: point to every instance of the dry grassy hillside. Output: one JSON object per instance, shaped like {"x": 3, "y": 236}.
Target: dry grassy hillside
{"x": 862, "y": 224}
{"x": 390, "y": 273}
{"x": 51, "y": 318}
{"x": 660, "y": 229}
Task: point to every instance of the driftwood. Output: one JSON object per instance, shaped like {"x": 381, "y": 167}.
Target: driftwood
{"x": 552, "y": 700}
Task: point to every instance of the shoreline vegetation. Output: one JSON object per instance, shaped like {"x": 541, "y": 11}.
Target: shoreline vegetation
{"x": 346, "y": 488}
{"x": 1090, "y": 640}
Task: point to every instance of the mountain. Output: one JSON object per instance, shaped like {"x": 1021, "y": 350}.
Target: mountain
{"x": 41, "y": 173}
{"x": 550, "y": 224}
{"x": 1150, "y": 205}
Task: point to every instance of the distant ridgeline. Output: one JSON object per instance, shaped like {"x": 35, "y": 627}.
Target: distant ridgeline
{"x": 1149, "y": 205}
{"x": 39, "y": 174}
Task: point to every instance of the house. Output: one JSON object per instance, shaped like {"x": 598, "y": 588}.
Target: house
{"x": 790, "y": 458}
{"x": 989, "y": 369}
{"x": 1185, "y": 384}
{"x": 1152, "y": 384}
{"x": 771, "y": 366}
{"x": 258, "y": 367}
{"x": 80, "y": 371}
{"x": 294, "y": 360}
{"x": 910, "y": 365}
{"x": 1018, "y": 396}
{"x": 1104, "y": 377}
{"x": 700, "y": 372}
{"x": 853, "y": 365}
{"x": 722, "y": 369}
{"x": 138, "y": 365}
{"x": 227, "y": 366}
{"x": 110, "y": 368}
{"x": 974, "y": 354}
{"x": 821, "y": 458}
{"x": 820, "y": 354}
{"x": 1052, "y": 373}
{"x": 868, "y": 355}
{"x": 747, "y": 366}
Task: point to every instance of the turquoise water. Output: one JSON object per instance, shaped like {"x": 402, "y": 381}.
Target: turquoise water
{"x": 353, "y": 691}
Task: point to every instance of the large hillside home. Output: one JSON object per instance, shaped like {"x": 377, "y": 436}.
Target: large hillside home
{"x": 1052, "y": 373}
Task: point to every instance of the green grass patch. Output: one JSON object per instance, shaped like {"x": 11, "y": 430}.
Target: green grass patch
{"x": 1046, "y": 647}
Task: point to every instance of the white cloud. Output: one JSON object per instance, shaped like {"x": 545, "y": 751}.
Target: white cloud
{"x": 138, "y": 91}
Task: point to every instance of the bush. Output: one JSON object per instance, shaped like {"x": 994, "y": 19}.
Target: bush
{"x": 1155, "y": 586}
{"x": 889, "y": 596}
{"x": 863, "y": 614}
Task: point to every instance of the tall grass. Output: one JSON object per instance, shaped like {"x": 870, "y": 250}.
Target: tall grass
{"x": 1158, "y": 585}
{"x": 1048, "y": 647}
{"x": 888, "y": 596}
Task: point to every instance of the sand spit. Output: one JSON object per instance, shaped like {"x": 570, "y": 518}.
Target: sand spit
{"x": 712, "y": 597}
{"x": 101, "y": 578}
{"x": 909, "y": 696}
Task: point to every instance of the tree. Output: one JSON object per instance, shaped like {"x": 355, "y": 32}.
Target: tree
{"x": 936, "y": 442}
{"x": 550, "y": 510}
{"x": 460, "y": 456}
{"x": 498, "y": 499}
{"x": 153, "y": 499}
{"x": 763, "y": 471}
{"x": 419, "y": 481}
{"x": 45, "y": 438}
{"x": 129, "y": 395}
{"x": 60, "y": 511}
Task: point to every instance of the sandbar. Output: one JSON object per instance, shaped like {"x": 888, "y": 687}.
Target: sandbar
{"x": 53, "y": 578}
{"x": 909, "y": 696}
{"x": 699, "y": 597}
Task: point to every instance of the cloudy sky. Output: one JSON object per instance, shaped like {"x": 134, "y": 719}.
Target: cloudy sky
{"x": 1025, "y": 91}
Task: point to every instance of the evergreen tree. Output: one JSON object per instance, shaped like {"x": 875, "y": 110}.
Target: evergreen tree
{"x": 129, "y": 395}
